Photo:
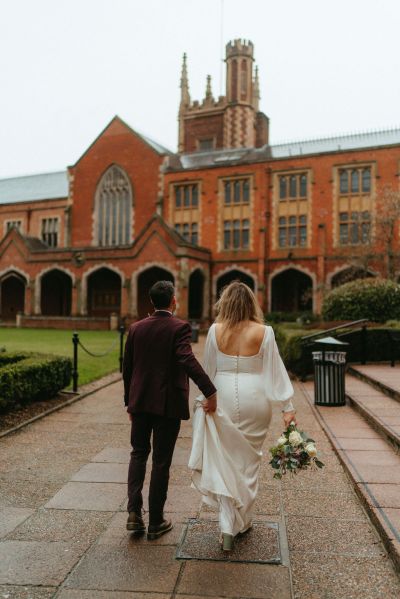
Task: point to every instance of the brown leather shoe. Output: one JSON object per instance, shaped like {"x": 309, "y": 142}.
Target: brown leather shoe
{"x": 155, "y": 531}
{"x": 135, "y": 523}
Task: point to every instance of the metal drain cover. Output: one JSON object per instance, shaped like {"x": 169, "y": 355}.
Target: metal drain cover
{"x": 200, "y": 541}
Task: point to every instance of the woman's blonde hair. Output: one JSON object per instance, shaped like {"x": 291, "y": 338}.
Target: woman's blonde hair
{"x": 237, "y": 304}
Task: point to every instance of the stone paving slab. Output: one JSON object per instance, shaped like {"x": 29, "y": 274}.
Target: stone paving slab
{"x": 340, "y": 537}
{"x": 26, "y": 592}
{"x": 82, "y": 527}
{"x": 11, "y": 517}
{"x": 342, "y": 577}
{"x": 145, "y": 568}
{"x": 208, "y": 579}
{"x": 98, "y": 473}
{"x": 100, "y": 497}
{"x": 81, "y": 594}
{"x": 36, "y": 562}
{"x": 20, "y": 493}
{"x": 118, "y": 455}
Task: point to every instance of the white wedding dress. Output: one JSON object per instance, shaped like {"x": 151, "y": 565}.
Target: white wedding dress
{"x": 226, "y": 450}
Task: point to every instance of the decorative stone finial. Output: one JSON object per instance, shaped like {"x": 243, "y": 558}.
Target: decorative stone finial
{"x": 185, "y": 95}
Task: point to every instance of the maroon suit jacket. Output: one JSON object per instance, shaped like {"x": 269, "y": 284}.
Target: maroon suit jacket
{"x": 158, "y": 360}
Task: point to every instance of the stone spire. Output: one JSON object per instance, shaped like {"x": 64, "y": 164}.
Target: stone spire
{"x": 208, "y": 88}
{"x": 256, "y": 91}
{"x": 185, "y": 95}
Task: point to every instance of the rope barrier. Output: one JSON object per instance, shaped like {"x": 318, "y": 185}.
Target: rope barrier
{"x": 94, "y": 355}
{"x": 76, "y": 342}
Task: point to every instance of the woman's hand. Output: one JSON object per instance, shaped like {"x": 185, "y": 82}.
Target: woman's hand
{"x": 289, "y": 417}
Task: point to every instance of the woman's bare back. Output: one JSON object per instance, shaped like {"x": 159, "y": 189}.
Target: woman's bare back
{"x": 245, "y": 339}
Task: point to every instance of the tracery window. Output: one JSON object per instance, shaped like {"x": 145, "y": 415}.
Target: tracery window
{"x": 50, "y": 231}
{"x": 354, "y": 227}
{"x": 186, "y": 211}
{"x": 236, "y": 213}
{"x": 355, "y": 180}
{"x": 113, "y": 208}
{"x": 293, "y": 231}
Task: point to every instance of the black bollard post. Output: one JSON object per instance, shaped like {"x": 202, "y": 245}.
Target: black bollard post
{"x": 75, "y": 341}
{"x": 121, "y": 346}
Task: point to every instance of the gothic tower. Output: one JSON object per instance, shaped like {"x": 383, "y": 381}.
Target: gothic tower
{"x": 231, "y": 121}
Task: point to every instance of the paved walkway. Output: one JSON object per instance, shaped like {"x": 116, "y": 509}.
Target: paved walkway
{"x": 62, "y": 520}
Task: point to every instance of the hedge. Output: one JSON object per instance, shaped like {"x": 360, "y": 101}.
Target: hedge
{"x": 27, "y": 377}
{"x": 375, "y": 299}
{"x": 298, "y": 357}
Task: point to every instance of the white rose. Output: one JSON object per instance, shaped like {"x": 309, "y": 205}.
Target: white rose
{"x": 311, "y": 450}
{"x": 295, "y": 438}
{"x": 281, "y": 441}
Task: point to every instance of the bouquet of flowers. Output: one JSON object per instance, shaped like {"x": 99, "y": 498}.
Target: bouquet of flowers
{"x": 294, "y": 450}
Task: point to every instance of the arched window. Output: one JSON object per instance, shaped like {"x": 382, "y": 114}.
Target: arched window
{"x": 113, "y": 209}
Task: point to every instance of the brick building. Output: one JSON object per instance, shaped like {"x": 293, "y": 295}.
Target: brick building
{"x": 289, "y": 220}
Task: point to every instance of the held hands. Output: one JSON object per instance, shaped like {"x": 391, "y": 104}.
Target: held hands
{"x": 289, "y": 417}
{"x": 210, "y": 404}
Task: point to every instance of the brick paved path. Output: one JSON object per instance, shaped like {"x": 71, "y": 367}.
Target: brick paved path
{"x": 62, "y": 520}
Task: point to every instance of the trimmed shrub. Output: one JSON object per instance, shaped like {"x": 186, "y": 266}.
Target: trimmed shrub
{"x": 375, "y": 299}
{"x": 27, "y": 377}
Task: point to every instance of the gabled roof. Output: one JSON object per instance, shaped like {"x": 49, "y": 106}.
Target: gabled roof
{"x": 178, "y": 239}
{"x": 44, "y": 186}
{"x": 150, "y": 142}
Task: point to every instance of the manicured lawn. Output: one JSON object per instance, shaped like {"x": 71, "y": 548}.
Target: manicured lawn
{"x": 53, "y": 341}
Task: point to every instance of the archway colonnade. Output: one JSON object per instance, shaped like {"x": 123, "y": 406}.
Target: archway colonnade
{"x": 104, "y": 289}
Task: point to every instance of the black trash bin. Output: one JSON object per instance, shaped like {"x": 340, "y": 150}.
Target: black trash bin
{"x": 329, "y": 372}
{"x": 195, "y": 331}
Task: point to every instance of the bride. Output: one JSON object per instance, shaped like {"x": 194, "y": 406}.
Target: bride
{"x": 242, "y": 359}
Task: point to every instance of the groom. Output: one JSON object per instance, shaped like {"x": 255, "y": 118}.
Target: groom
{"x": 158, "y": 360}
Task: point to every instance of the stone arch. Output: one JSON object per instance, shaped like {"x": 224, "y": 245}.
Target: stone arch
{"x": 232, "y": 273}
{"x": 12, "y": 293}
{"x": 347, "y": 273}
{"x": 241, "y": 272}
{"x": 91, "y": 271}
{"x": 134, "y": 282}
{"x": 292, "y": 289}
{"x": 38, "y": 287}
{"x": 144, "y": 281}
{"x": 55, "y": 290}
{"x": 113, "y": 209}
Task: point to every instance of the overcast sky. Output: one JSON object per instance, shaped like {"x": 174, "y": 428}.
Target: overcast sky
{"x": 68, "y": 66}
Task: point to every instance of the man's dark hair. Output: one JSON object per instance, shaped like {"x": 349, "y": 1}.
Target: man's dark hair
{"x": 161, "y": 294}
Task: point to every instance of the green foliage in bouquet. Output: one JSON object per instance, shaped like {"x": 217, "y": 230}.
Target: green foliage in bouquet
{"x": 294, "y": 451}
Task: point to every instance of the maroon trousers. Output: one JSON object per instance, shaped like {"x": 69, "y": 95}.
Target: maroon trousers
{"x": 165, "y": 433}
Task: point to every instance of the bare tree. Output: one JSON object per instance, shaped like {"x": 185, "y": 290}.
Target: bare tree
{"x": 386, "y": 222}
{"x": 378, "y": 240}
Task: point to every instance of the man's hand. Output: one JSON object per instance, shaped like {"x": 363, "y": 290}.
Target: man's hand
{"x": 289, "y": 417}
{"x": 130, "y": 417}
{"x": 210, "y": 404}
